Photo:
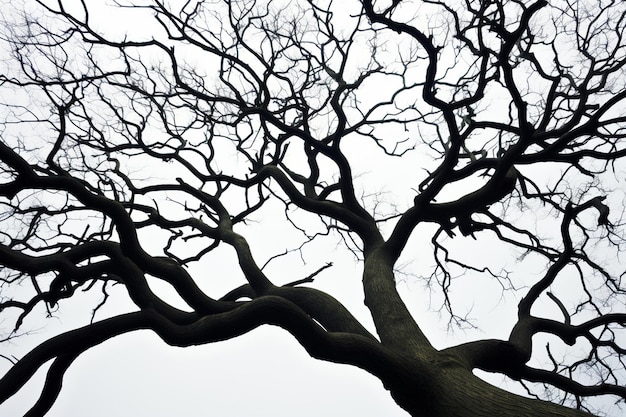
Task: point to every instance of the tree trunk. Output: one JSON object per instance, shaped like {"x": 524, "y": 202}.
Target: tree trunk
{"x": 449, "y": 390}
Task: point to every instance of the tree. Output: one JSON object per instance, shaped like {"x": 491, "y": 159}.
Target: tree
{"x": 398, "y": 131}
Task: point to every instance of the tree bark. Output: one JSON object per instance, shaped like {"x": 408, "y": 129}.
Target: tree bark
{"x": 449, "y": 390}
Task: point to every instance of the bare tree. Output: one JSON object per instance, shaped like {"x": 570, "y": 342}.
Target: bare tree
{"x": 133, "y": 154}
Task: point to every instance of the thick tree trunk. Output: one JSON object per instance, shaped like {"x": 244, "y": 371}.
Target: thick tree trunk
{"x": 452, "y": 391}
{"x": 426, "y": 382}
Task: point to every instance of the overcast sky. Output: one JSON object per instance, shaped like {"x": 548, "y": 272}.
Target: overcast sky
{"x": 264, "y": 373}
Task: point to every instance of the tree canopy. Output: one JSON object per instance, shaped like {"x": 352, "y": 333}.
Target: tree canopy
{"x": 472, "y": 147}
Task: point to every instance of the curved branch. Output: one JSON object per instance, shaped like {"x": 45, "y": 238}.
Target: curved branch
{"x": 80, "y": 340}
{"x": 52, "y": 385}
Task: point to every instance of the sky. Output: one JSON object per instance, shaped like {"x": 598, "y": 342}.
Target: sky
{"x": 263, "y": 373}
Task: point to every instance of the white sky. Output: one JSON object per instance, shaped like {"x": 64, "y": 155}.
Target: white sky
{"x": 264, "y": 373}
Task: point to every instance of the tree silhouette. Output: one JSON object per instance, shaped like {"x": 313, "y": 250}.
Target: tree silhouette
{"x": 399, "y": 131}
